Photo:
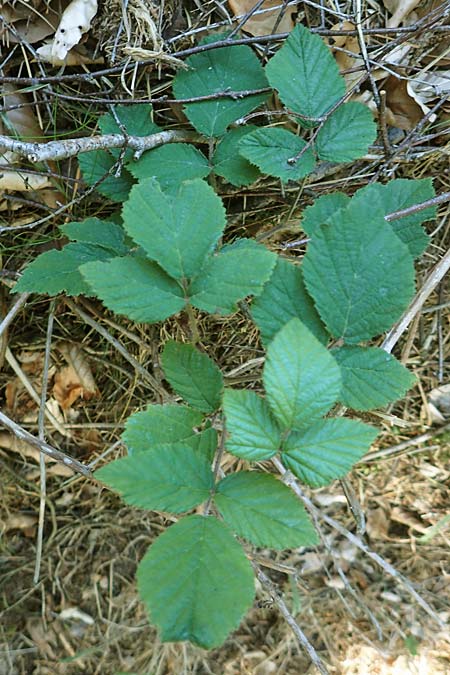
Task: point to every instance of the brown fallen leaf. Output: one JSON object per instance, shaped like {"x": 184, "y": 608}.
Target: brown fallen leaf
{"x": 346, "y": 61}
{"x": 75, "y": 380}
{"x": 10, "y": 442}
{"x": 402, "y": 111}
{"x": 20, "y": 521}
{"x": 264, "y": 22}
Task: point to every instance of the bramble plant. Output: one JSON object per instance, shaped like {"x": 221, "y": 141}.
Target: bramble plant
{"x": 164, "y": 255}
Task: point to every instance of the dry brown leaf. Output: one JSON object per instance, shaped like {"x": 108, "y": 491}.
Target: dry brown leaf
{"x": 377, "y": 524}
{"x": 10, "y": 442}
{"x": 439, "y": 404}
{"x": 75, "y": 380}
{"x": 402, "y": 110}
{"x": 22, "y": 121}
{"x": 20, "y": 521}
{"x": 31, "y": 24}
{"x": 21, "y": 181}
{"x": 264, "y": 22}
{"x": 347, "y": 61}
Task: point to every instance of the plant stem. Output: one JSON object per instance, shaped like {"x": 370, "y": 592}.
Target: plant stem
{"x": 195, "y": 335}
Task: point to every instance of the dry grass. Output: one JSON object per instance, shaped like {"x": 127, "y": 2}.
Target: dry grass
{"x": 84, "y": 615}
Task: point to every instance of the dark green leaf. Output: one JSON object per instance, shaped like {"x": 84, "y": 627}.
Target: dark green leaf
{"x": 327, "y": 450}
{"x": 301, "y": 378}
{"x": 229, "y": 164}
{"x": 278, "y": 152}
{"x": 234, "y": 68}
{"x": 135, "y": 287}
{"x": 347, "y": 133}
{"x": 100, "y": 232}
{"x": 196, "y": 582}
{"x": 171, "y": 164}
{"x": 322, "y": 209}
{"x": 253, "y": 432}
{"x": 58, "y": 271}
{"x": 193, "y": 375}
{"x": 95, "y": 165}
{"x": 238, "y": 270}
{"x": 160, "y": 424}
{"x": 284, "y": 297}
{"x": 371, "y": 378}
{"x": 261, "y": 509}
{"x": 179, "y": 230}
{"x": 360, "y": 275}
{"x": 136, "y": 120}
{"x": 173, "y": 478}
{"x": 305, "y": 74}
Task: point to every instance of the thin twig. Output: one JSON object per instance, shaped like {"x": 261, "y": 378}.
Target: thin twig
{"x": 47, "y": 449}
{"x": 16, "y": 307}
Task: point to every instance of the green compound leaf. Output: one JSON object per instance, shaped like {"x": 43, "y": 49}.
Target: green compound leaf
{"x": 179, "y": 231}
{"x": 171, "y": 164}
{"x": 327, "y": 450}
{"x": 100, "y": 232}
{"x": 229, "y": 164}
{"x": 193, "y": 375}
{"x": 136, "y": 120}
{"x": 159, "y": 424}
{"x": 286, "y": 292}
{"x": 305, "y": 74}
{"x": 196, "y": 582}
{"x": 322, "y": 209}
{"x": 238, "y": 270}
{"x": 272, "y": 149}
{"x": 301, "y": 378}
{"x": 371, "y": 378}
{"x": 359, "y": 273}
{"x": 261, "y": 509}
{"x": 96, "y": 164}
{"x": 347, "y": 133}
{"x": 233, "y": 68}
{"x": 173, "y": 479}
{"x": 58, "y": 271}
{"x": 396, "y": 195}
{"x": 135, "y": 287}
{"x": 253, "y": 432}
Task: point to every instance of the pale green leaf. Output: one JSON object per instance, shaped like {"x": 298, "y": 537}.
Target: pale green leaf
{"x": 171, "y": 164}
{"x": 261, "y": 509}
{"x": 193, "y": 375}
{"x": 286, "y": 292}
{"x": 238, "y": 270}
{"x": 278, "y": 152}
{"x": 305, "y": 74}
{"x": 323, "y": 208}
{"x": 253, "y": 433}
{"x": 371, "y": 378}
{"x": 327, "y": 449}
{"x": 196, "y": 582}
{"x": 58, "y": 271}
{"x": 396, "y": 195}
{"x": 159, "y": 424}
{"x": 229, "y": 164}
{"x": 179, "y": 231}
{"x": 173, "y": 478}
{"x": 233, "y": 68}
{"x": 97, "y": 164}
{"x": 359, "y": 273}
{"x": 347, "y": 133}
{"x": 100, "y": 232}
{"x": 301, "y": 378}
{"x": 135, "y": 287}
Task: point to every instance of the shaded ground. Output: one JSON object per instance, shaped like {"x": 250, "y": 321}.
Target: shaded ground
{"x": 84, "y": 615}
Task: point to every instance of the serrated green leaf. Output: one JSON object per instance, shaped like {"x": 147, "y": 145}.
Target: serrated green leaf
{"x": 96, "y": 164}
{"x": 171, "y": 164}
{"x": 347, "y": 133}
{"x": 261, "y": 509}
{"x": 277, "y": 152}
{"x": 305, "y": 74}
{"x": 193, "y": 375}
{"x": 229, "y": 164}
{"x": 137, "y": 121}
{"x": 234, "y": 68}
{"x": 327, "y": 449}
{"x": 371, "y": 378}
{"x": 196, "y": 582}
{"x": 301, "y": 378}
{"x": 100, "y": 232}
{"x": 160, "y": 424}
{"x": 323, "y": 208}
{"x": 396, "y": 195}
{"x": 286, "y": 292}
{"x": 253, "y": 433}
{"x": 58, "y": 271}
{"x": 359, "y": 273}
{"x": 238, "y": 270}
{"x": 179, "y": 231}
{"x": 173, "y": 479}
{"x": 135, "y": 287}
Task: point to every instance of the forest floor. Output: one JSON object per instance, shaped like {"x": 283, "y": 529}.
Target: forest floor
{"x": 84, "y": 614}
